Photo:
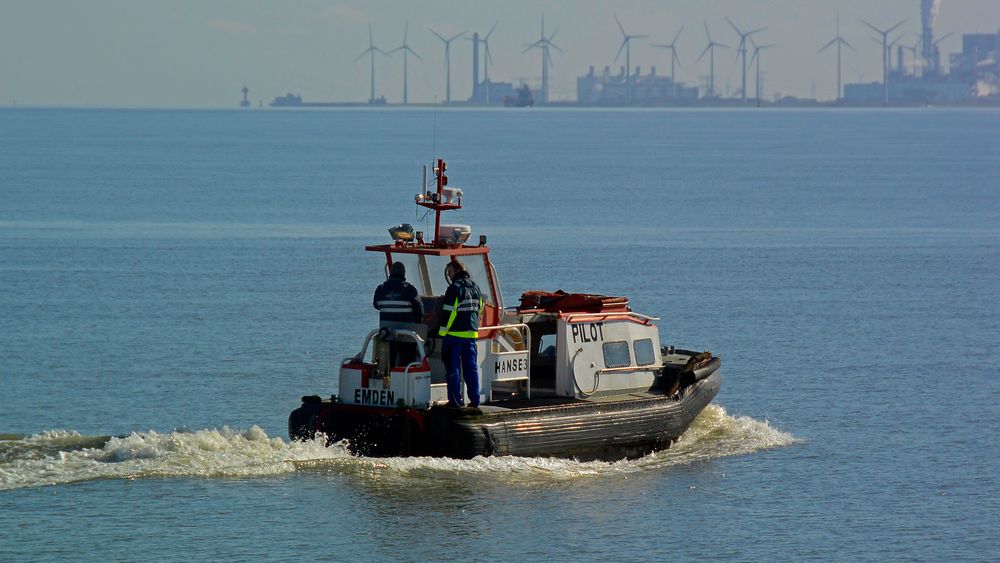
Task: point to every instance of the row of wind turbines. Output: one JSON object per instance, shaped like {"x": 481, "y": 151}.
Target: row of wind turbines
{"x": 545, "y": 44}
{"x": 405, "y": 48}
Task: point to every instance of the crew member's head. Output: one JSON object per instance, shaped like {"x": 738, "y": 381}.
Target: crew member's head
{"x": 398, "y": 270}
{"x": 453, "y": 268}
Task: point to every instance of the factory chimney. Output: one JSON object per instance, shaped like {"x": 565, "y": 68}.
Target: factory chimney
{"x": 928, "y": 13}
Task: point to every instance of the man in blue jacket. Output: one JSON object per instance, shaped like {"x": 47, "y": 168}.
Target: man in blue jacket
{"x": 463, "y": 302}
{"x": 396, "y": 300}
{"x": 398, "y": 306}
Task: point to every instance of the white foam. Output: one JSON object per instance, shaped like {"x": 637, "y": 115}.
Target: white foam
{"x": 713, "y": 434}
{"x": 57, "y": 457}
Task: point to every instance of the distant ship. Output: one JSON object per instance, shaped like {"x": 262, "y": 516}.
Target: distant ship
{"x": 523, "y": 98}
{"x": 288, "y": 100}
{"x": 295, "y": 101}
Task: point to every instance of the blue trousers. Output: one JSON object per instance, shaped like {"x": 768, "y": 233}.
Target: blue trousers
{"x": 460, "y": 358}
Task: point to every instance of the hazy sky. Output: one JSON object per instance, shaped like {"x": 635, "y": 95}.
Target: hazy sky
{"x": 201, "y": 52}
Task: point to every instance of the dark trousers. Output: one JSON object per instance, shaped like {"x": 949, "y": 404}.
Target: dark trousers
{"x": 460, "y": 358}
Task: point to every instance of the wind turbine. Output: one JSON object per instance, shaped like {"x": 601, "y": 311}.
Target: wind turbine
{"x": 447, "y": 61}
{"x": 544, "y": 43}
{"x": 673, "y": 58}
{"x": 913, "y": 53}
{"x": 711, "y": 55}
{"x": 888, "y": 49}
{"x": 626, "y": 44}
{"x": 372, "y": 49}
{"x": 487, "y": 59}
{"x": 406, "y": 50}
{"x": 839, "y": 41}
{"x": 742, "y": 52}
{"x": 885, "y": 57}
{"x": 756, "y": 56}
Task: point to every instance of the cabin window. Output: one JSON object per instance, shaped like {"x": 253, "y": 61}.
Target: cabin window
{"x": 616, "y": 355}
{"x": 412, "y": 264}
{"x": 547, "y": 346}
{"x": 476, "y": 265}
{"x": 426, "y": 272}
{"x": 644, "y": 355}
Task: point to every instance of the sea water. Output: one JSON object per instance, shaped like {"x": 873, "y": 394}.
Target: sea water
{"x": 172, "y": 281}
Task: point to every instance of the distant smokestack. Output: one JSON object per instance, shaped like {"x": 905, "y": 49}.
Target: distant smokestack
{"x": 929, "y": 10}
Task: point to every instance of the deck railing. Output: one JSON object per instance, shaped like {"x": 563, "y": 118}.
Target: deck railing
{"x": 526, "y": 339}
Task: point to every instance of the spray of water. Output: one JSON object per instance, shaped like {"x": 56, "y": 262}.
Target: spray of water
{"x": 59, "y": 457}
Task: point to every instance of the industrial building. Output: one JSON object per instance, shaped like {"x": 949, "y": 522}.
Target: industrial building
{"x": 647, "y": 90}
{"x": 489, "y": 92}
{"x": 974, "y": 74}
{"x": 979, "y": 63}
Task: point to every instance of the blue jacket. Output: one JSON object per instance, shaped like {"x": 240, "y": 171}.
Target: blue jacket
{"x": 461, "y": 307}
{"x": 397, "y": 301}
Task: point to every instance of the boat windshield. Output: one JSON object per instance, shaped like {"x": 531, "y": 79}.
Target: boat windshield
{"x": 426, "y": 273}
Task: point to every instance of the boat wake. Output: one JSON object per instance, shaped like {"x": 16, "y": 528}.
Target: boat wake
{"x": 62, "y": 457}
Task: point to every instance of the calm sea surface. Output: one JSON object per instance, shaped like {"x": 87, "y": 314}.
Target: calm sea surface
{"x": 178, "y": 279}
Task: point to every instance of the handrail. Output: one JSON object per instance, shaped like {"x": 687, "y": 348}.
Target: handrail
{"x": 498, "y": 328}
{"x": 394, "y": 332}
{"x": 364, "y": 348}
{"x": 569, "y": 316}
{"x": 527, "y": 350}
{"x": 630, "y": 368}
{"x": 599, "y": 372}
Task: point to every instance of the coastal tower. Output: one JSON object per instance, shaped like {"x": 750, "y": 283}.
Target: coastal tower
{"x": 245, "y": 103}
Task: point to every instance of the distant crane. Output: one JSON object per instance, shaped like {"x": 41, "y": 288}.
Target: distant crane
{"x": 885, "y": 57}
{"x": 545, "y": 43}
{"x": 447, "y": 61}
{"x": 711, "y": 55}
{"x": 626, "y": 45}
{"x": 839, "y": 41}
{"x": 673, "y": 59}
{"x": 406, "y": 51}
{"x": 741, "y": 52}
{"x": 371, "y": 50}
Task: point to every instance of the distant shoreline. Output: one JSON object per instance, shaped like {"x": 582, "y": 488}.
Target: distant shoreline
{"x": 986, "y": 103}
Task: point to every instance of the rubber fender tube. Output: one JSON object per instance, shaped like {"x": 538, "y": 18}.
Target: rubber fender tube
{"x": 708, "y": 369}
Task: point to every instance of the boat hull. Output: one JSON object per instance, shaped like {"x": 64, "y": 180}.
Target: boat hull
{"x": 609, "y": 429}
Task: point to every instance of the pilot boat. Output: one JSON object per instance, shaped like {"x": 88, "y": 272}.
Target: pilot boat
{"x": 573, "y": 375}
